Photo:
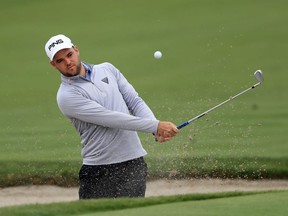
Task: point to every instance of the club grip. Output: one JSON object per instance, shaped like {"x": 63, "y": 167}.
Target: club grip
{"x": 182, "y": 125}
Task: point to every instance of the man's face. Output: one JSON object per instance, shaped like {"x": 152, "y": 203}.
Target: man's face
{"x": 67, "y": 61}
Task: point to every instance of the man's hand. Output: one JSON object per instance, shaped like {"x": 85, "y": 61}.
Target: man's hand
{"x": 165, "y": 131}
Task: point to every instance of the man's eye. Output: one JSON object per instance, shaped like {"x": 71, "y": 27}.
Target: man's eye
{"x": 59, "y": 60}
{"x": 69, "y": 54}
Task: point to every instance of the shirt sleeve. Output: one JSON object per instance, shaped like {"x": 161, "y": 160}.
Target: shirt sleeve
{"x": 74, "y": 105}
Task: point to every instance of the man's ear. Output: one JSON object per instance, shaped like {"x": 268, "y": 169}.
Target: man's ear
{"x": 52, "y": 63}
{"x": 76, "y": 49}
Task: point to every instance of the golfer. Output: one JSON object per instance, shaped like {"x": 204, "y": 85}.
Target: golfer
{"x": 107, "y": 112}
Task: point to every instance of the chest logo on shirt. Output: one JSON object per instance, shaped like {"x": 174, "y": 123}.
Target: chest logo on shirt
{"x": 105, "y": 80}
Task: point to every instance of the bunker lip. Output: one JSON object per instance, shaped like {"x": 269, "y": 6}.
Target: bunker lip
{"x": 22, "y": 195}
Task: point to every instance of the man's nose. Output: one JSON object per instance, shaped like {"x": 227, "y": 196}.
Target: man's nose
{"x": 67, "y": 61}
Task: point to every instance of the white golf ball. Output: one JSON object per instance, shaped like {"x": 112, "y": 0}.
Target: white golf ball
{"x": 157, "y": 55}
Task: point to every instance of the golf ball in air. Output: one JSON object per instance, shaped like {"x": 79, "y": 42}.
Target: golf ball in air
{"x": 157, "y": 55}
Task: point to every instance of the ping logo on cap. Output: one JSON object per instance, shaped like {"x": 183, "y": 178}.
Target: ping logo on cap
{"x": 55, "y": 43}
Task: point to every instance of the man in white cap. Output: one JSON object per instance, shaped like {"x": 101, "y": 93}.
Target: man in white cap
{"x": 107, "y": 112}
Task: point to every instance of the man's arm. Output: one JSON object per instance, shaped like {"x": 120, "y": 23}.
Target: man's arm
{"x": 75, "y": 105}
{"x": 137, "y": 107}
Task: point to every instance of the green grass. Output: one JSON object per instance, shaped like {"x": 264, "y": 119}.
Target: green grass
{"x": 229, "y": 203}
{"x": 210, "y": 52}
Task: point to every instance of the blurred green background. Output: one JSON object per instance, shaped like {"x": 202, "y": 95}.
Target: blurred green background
{"x": 210, "y": 51}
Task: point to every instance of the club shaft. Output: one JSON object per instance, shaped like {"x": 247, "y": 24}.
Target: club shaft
{"x": 217, "y": 106}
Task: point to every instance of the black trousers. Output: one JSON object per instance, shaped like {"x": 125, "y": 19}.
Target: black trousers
{"x": 126, "y": 179}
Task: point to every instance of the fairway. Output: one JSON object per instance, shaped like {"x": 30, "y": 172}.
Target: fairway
{"x": 256, "y": 205}
{"x": 210, "y": 51}
{"x": 233, "y": 203}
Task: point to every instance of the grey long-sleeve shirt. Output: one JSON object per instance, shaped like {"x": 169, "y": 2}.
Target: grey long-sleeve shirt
{"x": 106, "y": 111}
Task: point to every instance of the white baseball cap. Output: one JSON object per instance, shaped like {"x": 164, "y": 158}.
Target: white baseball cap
{"x": 57, "y": 43}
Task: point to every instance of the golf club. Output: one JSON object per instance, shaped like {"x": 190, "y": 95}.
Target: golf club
{"x": 258, "y": 75}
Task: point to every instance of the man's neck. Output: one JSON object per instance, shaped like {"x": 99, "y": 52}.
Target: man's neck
{"x": 83, "y": 71}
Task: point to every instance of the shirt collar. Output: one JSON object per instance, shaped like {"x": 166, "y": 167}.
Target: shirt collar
{"x": 88, "y": 70}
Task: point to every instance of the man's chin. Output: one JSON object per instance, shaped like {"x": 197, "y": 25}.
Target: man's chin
{"x": 71, "y": 73}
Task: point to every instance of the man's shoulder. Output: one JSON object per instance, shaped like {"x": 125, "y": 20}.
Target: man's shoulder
{"x": 106, "y": 68}
{"x": 64, "y": 90}
{"x": 99, "y": 65}
{"x": 105, "y": 65}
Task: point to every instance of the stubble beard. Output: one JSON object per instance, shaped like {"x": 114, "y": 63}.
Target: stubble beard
{"x": 76, "y": 73}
